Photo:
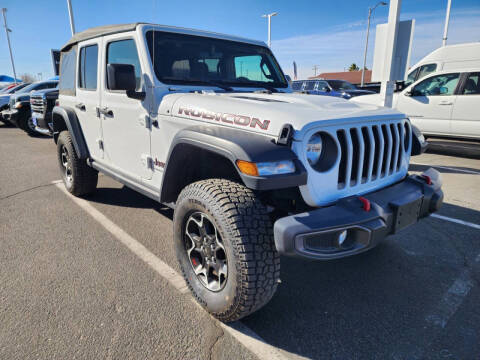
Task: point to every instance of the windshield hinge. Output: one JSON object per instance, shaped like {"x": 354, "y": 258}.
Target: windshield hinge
{"x": 285, "y": 136}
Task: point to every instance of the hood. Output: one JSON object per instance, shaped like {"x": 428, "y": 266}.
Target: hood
{"x": 358, "y": 92}
{"x": 49, "y": 93}
{"x": 20, "y": 97}
{"x": 267, "y": 113}
{"x": 4, "y": 99}
{"x": 373, "y": 99}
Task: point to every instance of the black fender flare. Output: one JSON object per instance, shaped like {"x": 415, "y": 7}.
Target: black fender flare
{"x": 64, "y": 118}
{"x": 419, "y": 144}
{"x": 234, "y": 145}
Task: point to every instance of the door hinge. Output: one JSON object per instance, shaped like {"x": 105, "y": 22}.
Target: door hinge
{"x": 100, "y": 144}
{"x": 147, "y": 161}
{"x": 144, "y": 121}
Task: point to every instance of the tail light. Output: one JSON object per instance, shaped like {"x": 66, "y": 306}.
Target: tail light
{"x": 57, "y": 102}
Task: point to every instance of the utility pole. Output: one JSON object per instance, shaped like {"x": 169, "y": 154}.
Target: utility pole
{"x": 370, "y": 11}
{"x": 315, "y": 68}
{"x": 70, "y": 14}
{"x": 269, "y": 18}
{"x": 7, "y": 31}
{"x": 447, "y": 21}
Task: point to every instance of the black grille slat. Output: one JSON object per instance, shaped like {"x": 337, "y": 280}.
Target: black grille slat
{"x": 355, "y": 156}
{"x": 343, "y": 159}
{"x": 395, "y": 144}
{"x": 366, "y": 157}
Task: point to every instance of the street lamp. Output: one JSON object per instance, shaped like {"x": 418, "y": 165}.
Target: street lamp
{"x": 370, "y": 11}
{"x": 7, "y": 30}
{"x": 269, "y": 17}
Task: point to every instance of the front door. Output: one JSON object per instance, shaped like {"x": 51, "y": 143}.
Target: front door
{"x": 126, "y": 138}
{"x": 466, "y": 117}
{"x": 429, "y": 103}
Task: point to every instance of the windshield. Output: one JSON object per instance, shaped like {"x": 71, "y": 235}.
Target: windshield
{"x": 196, "y": 60}
{"x": 341, "y": 85}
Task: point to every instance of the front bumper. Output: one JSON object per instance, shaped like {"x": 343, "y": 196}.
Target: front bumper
{"x": 349, "y": 227}
{"x": 42, "y": 126}
{"x": 10, "y": 115}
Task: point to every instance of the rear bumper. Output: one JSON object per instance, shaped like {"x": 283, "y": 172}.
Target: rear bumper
{"x": 318, "y": 234}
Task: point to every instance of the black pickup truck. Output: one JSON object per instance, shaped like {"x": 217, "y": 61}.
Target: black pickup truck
{"x": 42, "y": 103}
{"x": 18, "y": 112}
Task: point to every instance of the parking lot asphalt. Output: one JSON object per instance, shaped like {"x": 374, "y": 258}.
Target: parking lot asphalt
{"x": 69, "y": 289}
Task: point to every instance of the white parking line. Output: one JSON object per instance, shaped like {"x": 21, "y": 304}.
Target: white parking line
{"x": 457, "y": 221}
{"x": 451, "y": 300}
{"x": 457, "y": 169}
{"x": 238, "y": 330}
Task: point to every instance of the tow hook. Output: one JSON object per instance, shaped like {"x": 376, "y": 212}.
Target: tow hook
{"x": 366, "y": 203}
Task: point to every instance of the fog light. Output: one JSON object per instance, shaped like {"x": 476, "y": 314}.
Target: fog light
{"x": 342, "y": 237}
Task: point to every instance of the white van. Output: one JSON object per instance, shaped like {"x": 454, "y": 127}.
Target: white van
{"x": 450, "y": 57}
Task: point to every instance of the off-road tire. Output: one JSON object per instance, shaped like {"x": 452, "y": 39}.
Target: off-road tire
{"x": 83, "y": 177}
{"x": 247, "y": 235}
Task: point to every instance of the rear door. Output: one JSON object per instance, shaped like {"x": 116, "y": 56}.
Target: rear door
{"x": 466, "y": 114}
{"x": 125, "y": 134}
{"x": 429, "y": 103}
{"x": 88, "y": 95}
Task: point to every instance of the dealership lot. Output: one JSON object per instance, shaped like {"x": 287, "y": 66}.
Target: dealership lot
{"x": 70, "y": 288}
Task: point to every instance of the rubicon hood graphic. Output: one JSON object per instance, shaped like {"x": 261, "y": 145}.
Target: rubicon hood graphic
{"x": 267, "y": 113}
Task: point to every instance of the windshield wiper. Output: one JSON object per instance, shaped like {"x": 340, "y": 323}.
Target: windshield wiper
{"x": 220, "y": 85}
{"x": 186, "y": 81}
{"x": 269, "y": 88}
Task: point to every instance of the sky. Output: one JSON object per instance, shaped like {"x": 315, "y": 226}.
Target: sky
{"x": 330, "y": 34}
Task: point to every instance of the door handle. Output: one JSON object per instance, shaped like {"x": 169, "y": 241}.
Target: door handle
{"x": 106, "y": 111}
{"x": 81, "y": 107}
{"x": 445, "y": 103}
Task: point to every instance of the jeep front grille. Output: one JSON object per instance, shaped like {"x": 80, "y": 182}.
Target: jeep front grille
{"x": 364, "y": 157}
{"x": 371, "y": 152}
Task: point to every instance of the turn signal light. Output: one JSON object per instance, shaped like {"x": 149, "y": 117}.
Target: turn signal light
{"x": 247, "y": 167}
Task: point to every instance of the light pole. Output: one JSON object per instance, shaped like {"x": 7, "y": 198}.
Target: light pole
{"x": 447, "y": 20}
{"x": 370, "y": 11}
{"x": 269, "y": 17}
{"x": 70, "y": 14}
{"x": 7, "y": 30}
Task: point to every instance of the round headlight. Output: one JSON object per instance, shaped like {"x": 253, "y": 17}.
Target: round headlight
{"x": 314, "y": 149}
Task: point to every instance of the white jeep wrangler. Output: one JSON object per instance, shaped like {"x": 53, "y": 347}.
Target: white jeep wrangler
{"x": 208, "y": 125}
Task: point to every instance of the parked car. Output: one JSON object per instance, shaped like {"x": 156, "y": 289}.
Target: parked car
{"x": 450, "y": 57}
{"x": 207, "y": 124}
{"x": 18, "y": 112}
{"x": 5, "y": 98}
{"x": 42, "y": 103}
{"x": 444, "y": 103}
{"x": 338, "y": 88}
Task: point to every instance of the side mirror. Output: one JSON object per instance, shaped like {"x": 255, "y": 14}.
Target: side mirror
{"x": 122, "y": 77}
{"x": 326, "y": 89}
{"x": 408, "y": 93}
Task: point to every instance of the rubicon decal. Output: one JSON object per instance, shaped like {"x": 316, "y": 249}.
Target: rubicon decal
{"x": 239, "y": 120}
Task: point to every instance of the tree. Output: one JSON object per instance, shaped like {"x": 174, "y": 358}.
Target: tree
{"x": 353, "y": 67}
{"x": 27, "y": 78}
